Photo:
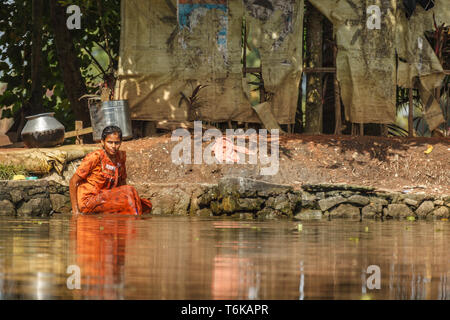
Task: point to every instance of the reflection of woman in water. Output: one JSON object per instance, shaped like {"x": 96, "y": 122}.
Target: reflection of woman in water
{"x": 101, "y": 249}
{"x": 99, "y": 184}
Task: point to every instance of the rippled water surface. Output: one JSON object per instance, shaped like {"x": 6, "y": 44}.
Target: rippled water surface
{"x": 198, "y": 258}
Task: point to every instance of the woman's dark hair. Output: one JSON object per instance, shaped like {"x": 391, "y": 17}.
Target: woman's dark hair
{"x": 110, "y": 130}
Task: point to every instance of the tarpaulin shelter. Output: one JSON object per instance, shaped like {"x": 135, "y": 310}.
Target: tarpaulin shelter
{"x": 368, "y": 56}
{"x": 171, "y": 47}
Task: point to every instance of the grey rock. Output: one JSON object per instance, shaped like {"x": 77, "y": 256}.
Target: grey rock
{"x": 446, "y": 200}
{"x": 229, "y": 204}
{"x": 246, "y": 215}
{"x": 4, "y": 195}
{"x": 399, "y": 210}
{"x": 309, "y": 214}
{"x": 35, "y": 207}
{"x": 347, "y": 194}
{"x": 205, "y": 212}
{"x": 380, "y": 201}
{"x": 330, "y": 187}
{"x": 441, "y": 212}
{"x": 411, "y": 202}
{"x": 328, "y": 203}
{"x": 334, "y": 193}
{"x": 309, "y": 200}
{"x": 383, "y": 195}
{"x": 157, "y": 211}
{"x": 182, "y": 202}
{"x": 320, "y": 195}
{"x": 27, "y": 184}
{"x": 419, "y": 197}
{"x": 216, "y": 208}
{"x": 425, "y": 208}
{"x": 60, "y": 203}
{"x": 438, "y": 202}
{"x": 7, "y": 208}
{"x": 295, "y": 198}
{"x": 250, "y": 188}
{"x": 358, "y": 200}
{"x": 345, "y": 210}
{"x": 37, "y": 190}
{"x": 281, "y": 203}
{"x": 210, "y": 195}
{"x": 372, "y": 210}
{"x": 268, "y": 213}
{"x": 249, "y": 204}
{"x": 17, "y": 195}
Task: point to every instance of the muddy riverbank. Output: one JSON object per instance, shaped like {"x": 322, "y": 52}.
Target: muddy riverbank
{"x": 318, "y": 177}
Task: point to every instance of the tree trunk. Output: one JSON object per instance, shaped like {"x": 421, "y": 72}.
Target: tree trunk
{"x": 314, "y": 39}
{"x": 35, "y": 105}
{"x": 74, "y": 85}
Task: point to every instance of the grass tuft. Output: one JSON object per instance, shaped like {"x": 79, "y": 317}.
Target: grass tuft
{"x": 8, "y": 171}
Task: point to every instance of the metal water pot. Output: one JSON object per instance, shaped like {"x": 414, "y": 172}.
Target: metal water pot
{"x": 111, "y": 113}
{"x": 42, "y": 130}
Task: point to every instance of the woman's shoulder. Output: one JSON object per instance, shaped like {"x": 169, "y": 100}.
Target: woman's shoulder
{"x": 94, "y": 155}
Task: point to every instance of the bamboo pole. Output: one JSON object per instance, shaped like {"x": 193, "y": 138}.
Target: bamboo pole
{"x": 411, "y": 113}
{"x": 337, "y": 98}
{"x": 78, "y": 126}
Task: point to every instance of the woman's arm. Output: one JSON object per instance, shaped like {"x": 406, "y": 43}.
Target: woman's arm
{"x": 122, "y": 181}
{"x": 123, "y": 176}
{"x": 73, "y": 187}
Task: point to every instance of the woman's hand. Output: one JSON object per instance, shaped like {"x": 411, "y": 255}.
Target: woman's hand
{"x": 73, "y": 188}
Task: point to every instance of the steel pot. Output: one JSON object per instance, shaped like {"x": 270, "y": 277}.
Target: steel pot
{"x": 111, "y": 113}
{"x": 42, "y": 130}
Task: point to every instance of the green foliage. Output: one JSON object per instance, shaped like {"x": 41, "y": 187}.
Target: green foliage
{"x": 96, "y": 44}
{"x": 8, "y": 171}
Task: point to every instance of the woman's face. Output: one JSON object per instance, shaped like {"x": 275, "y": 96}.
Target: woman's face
{"x": 111, "y": 144}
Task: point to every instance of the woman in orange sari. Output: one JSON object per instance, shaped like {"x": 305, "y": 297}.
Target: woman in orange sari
{"x": 99, "y": 184}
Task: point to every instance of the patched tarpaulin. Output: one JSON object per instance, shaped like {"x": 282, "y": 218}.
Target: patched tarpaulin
{"x": 366, "y": 61}
{"x": 417, "y": 58}
{"x": 275, "y": 28}
{"x": 366, "y": 57}
{"x": 168, "y": 47}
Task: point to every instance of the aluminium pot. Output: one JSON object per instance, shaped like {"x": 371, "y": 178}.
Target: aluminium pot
{"x": 111, "y": 113}
{"x": 42, "y": 131}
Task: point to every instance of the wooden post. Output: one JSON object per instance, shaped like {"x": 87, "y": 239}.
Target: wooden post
{"x": 78, "y": 126}
{"x": 337, "y": 98}
{"x": 262, "y": 93}
{"x": 149, "y": 128}
{"x": 411, "y": 114}
{"x": 384, "y": 130}
{"x": 361, "y": 129}
{"x": 244, "y": 58}
{"x": 314, "y": 60}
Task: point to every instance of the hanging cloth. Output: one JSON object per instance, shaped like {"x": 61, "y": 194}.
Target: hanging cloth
{"x": 410, "y": 6}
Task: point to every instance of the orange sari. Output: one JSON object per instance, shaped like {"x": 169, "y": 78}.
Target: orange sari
{"x": 100, "y": 193}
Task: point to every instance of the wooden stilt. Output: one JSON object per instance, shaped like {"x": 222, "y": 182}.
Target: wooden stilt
{"x": 411, "y": 114}
{"x": 78, "y": 126}
{"x": 337, "y": 98}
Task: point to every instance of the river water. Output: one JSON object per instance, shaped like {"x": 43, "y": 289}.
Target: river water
{"x": 160, "y": 257}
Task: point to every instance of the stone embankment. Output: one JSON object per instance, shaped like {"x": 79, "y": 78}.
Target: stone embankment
{"x": 241, "y": 198}
{"x": 33, "y": 198}
{"x": 246, "y": 198}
